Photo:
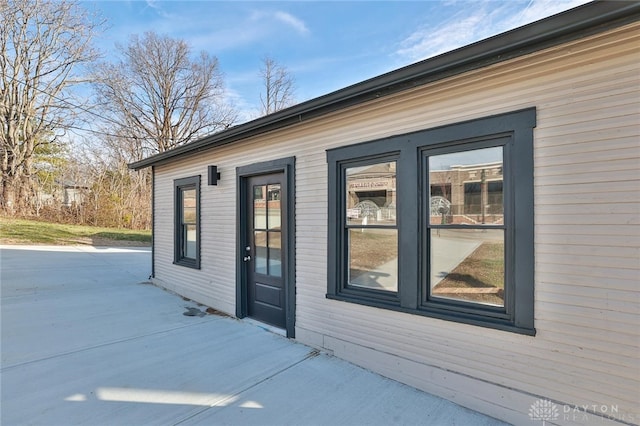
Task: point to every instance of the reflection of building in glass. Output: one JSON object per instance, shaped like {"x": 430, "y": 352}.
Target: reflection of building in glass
{"x": 266, "y": 203}
{"x": 371, "y": 192}
{"x": 473, "y": 191}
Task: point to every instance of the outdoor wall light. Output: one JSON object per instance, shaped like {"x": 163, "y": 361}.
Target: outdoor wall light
{"x": 214, "y": 175}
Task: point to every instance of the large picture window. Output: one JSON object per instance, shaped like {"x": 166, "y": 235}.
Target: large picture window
{"x": 438, "y": 222}
{"x": 187, "y": 222}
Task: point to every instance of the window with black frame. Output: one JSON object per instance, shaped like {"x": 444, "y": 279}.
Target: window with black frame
{"x": 370, "y": 226}
{"x": 187, "y": 222}
{"x": 438, "y": 222}
{"x": 465, "y": 239}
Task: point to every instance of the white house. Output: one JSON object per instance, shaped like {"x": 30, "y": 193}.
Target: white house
{"x": 467, "y": 225}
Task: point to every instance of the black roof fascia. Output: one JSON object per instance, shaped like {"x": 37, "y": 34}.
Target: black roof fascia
{"x": 582, "y": 21}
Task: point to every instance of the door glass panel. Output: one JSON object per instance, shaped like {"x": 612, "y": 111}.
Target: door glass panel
{"x": 259, "y": 207}
{"x": 260, "y": 241}
{"x": 275, "y": 262}
{"x": 273, "y": 204}
{"x": 373, "y": 258}
{"x": 371, "y": 194}
{"x": 466, "y": 187}
{"x": 468, "y": 265}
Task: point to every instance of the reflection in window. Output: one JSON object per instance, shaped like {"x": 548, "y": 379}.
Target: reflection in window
{"x": 467, "y": 264}
{"x": 373, "y": 258}
{"x": 371, "y": 194}
{"x": 186, "y": 222}
{"x": 267, "y": 237}
{"x": 471, "y": 184}
{"x": 260, "y": 242}
{"x": 371, "y": 232}
{"x": 461, "y": 238}
{"x": 273, "y": 206}
{"x": 275, "y": 253}
{"x": 189, "y": 223}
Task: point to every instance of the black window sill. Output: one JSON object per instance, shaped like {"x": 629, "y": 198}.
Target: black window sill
{"x": 443, "y": 314}
{"x": 188, "y": 263}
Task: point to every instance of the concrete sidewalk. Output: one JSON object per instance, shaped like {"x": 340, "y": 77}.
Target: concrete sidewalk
{"x": 84, "y": 341}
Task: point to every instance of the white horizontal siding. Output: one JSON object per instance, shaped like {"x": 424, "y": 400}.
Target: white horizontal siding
{"x": 587, "y": 265}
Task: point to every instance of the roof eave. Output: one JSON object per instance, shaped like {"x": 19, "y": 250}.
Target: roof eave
{"x": 579, "y": 22}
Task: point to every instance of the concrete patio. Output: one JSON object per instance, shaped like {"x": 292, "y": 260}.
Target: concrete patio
{"x": 86, "y": 341}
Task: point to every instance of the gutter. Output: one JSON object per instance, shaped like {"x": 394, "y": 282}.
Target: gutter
{"x": 582, "y": 21}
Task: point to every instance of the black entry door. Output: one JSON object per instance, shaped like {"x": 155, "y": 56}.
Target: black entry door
{"x": 263, "y": 252}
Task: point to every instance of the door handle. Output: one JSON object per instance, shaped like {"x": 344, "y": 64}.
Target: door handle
{"x": 246, "y": 258}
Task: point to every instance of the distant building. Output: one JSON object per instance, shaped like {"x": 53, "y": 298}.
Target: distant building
{"x": 73, "y": 194}
{"x": 64, "y": 194}
{"x": 474, "y": 192}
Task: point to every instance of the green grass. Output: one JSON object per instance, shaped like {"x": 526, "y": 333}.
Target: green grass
{"x": 20, "y": 231}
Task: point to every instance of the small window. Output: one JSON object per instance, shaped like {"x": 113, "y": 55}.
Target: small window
{"x": 438, "y": 222}
{"x": 187, "y": 222}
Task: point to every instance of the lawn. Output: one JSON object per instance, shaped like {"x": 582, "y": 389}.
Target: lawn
{"x": 20, "y": 231}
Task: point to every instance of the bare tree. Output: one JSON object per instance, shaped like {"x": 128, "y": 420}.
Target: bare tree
{"x": 42, "y": 46}
{"x": 159, "y": 97}
{"x": 278, "y": 87}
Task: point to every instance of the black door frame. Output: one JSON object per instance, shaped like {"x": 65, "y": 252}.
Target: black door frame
{"x": 287, "y": 167}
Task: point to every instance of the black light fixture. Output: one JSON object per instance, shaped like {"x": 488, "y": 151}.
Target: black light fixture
{"x": 214, "y": 175}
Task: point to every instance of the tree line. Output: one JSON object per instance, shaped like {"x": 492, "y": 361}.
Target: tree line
{"x": 71, "y": 121}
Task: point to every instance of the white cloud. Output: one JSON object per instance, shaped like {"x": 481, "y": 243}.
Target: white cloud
{"x": 427, "y": 42}
{"x": 268, "y": 18}
{"x": 257, "y": 26}
{"x": 153, "y": 4}
{"x": 539, "y": 9}
{"x": 478, "y": 21}
{"x": 289, "y": 19}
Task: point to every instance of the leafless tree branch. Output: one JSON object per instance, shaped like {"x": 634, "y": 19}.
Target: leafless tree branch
{"x": 43, "y": 43}
{"x": 160, "y": 97}
{"x": 278, "y": 85}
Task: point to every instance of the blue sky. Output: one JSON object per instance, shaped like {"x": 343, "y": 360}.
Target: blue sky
{"x": 326, "y": 45}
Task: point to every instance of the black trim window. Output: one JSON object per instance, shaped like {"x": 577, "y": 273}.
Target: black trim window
{"x": 371, "y": 231}
{"x": 438, "y": 222}
{"x": 465, "y": 236}
{"x": 187, "y": 222}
